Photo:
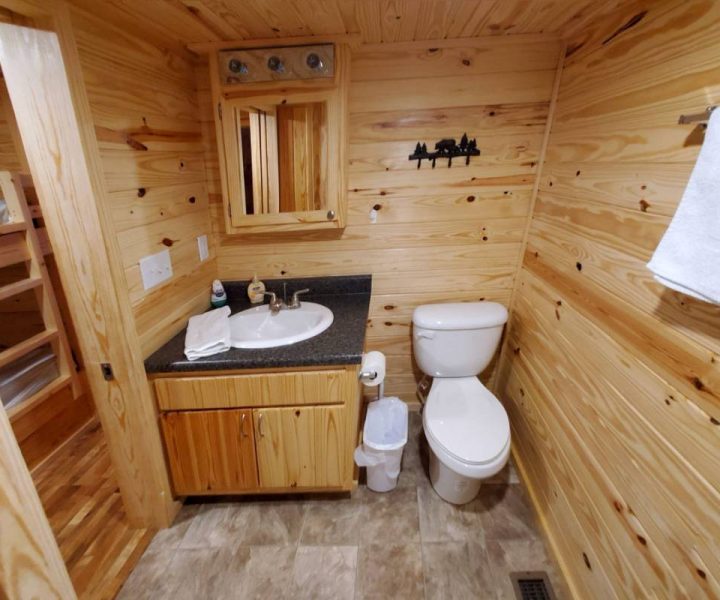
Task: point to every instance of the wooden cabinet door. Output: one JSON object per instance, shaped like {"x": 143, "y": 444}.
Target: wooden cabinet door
{"x": 303, "y": 447}
{"x": 210, "y": 451}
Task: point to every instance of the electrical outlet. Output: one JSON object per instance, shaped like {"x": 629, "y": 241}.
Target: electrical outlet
{"x": 155, "y": 269}
{"x": 203, "y": 251}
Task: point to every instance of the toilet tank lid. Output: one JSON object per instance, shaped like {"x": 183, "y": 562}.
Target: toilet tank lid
{"x": 460, "y": 315}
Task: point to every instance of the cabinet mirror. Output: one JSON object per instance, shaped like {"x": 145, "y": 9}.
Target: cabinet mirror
{"x": 282, "y": 157}
{"x": 282, "y": 151}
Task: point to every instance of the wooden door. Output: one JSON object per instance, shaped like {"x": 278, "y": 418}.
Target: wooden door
{"x": 210, "y": 451}
{"x": 302, "y": 447}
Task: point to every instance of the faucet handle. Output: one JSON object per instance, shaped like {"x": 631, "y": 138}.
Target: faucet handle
{"x": 275, "y": 303}
{"x": 295, "y": 300}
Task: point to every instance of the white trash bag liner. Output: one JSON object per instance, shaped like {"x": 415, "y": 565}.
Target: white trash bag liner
{"x": 384, "y": 437}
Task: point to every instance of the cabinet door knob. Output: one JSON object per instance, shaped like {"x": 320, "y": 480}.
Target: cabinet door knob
{"x": 261, "y": 429}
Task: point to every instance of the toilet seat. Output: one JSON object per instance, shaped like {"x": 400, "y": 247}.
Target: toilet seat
{"x": 466, "y": 426}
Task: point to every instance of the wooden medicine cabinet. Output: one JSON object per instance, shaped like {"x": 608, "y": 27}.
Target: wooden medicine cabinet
{"x": 281, "y": 140}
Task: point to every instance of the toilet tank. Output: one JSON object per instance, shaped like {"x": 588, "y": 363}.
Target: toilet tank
{"x": 457, "y": 339}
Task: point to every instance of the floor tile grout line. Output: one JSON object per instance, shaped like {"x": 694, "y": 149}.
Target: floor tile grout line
{"x": 422, "y": 564}
{"x": 357, "y": 573}
{"x": 417, "y": 500}
{"x": 421, "y": 542}
{"x": 302, "y": 523}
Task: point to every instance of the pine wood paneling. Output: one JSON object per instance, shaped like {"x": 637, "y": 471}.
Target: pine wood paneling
{"x": 612, "y": 381}
{"x": 441, "y": 234}
{"x": 171, "y": 23}
{"x": 515, "y": 85}
{"x": 511, "y": 120}
{"x": 454, "y": 57}
{"x": 145, "y": 112}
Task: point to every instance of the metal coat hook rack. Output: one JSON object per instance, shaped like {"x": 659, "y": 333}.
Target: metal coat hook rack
{"x": 446, "y": 148}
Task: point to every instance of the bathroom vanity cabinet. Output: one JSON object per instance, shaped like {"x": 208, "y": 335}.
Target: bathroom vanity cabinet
{"x": 260, "y": 432}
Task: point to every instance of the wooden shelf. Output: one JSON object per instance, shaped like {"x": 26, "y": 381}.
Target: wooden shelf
{"x": 12, "y": 227}
{"x": 13, "y": 249}
{"x": 19, "y": 350}
{"x": 19, "y": 409}
{"x": 13, "y": 289}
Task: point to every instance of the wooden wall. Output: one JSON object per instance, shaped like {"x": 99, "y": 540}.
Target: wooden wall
{"x": 146, "y": 118}
{"x": 442, "y": 234}
{"x": 612, "y": 381}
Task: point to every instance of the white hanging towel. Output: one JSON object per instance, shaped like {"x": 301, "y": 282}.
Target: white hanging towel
{"x": 687, "y": 258}
{"x": 208, "y": 333}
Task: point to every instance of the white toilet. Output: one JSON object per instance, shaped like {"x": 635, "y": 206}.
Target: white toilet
{"x": 466, "y": 426}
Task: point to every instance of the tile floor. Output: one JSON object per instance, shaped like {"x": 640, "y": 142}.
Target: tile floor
{"x": 408, "y": 543}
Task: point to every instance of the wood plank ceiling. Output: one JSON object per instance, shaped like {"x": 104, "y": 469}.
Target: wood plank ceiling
{"x": 178, "y": 22}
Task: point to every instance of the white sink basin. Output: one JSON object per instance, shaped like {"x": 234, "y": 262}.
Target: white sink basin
{"x": 257, "y": 328}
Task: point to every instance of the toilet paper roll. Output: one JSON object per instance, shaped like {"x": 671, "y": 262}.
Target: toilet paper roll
{"x": 373, "y": 362}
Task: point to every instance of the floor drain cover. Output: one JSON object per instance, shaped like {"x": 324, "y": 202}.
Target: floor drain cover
{"x": 532, "y": 586}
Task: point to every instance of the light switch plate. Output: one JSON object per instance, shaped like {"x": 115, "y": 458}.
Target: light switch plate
{"x": 203, "y": 247}
{"x": 155, "y": 269}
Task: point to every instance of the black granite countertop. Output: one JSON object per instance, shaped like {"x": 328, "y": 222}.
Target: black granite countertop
{"x": 348, "y": 297}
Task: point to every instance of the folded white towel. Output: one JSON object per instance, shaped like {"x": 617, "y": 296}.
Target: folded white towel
{"x": 687, "y": 258}
{"x": 208, "y": 333}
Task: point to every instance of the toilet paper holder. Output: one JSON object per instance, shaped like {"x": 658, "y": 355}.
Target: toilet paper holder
{"x": 372, "y": 376}
{"x": 372, "y": 371}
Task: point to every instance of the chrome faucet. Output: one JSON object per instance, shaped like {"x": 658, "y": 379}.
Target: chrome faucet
{"x": 276, "y": 304}
{"x": 295, "y": 300}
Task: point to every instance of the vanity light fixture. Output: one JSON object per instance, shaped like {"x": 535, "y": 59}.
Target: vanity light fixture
{"x": 314, "y": 62}
{"x": 243, "y": 66}
{"x": 237, "y": 66}
{"x": 276, "y": 64}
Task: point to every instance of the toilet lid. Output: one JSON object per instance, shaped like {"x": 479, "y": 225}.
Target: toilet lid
{"x": 466, "y": 419}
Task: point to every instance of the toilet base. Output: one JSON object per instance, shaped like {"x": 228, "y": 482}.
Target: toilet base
{"x": 451, "y": 486}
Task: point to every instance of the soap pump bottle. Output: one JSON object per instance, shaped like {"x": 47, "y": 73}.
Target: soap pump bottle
{"x": 256, "y": 290}
{"x": 218, "y": 297}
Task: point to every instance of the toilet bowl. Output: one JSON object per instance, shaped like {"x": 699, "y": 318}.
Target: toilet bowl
{"x": 466, "y": 426}
{"x": 468, "y": 432}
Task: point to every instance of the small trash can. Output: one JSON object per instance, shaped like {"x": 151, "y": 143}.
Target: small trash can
{"x": 384, "y": 437}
